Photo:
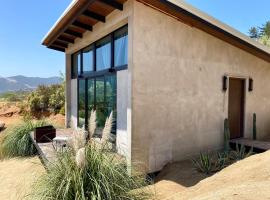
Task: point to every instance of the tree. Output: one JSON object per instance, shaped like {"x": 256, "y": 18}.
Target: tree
{"x": 261, "y": 34}
{"x": 265, "y": 29}
{"x": 253, "y": 32}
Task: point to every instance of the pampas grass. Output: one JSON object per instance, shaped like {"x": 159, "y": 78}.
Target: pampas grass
{"x": 78, "y": 140}
{"x": 106, "y": 134}
{"x": 80, "y": 158}
{"x": 104, "y": 177}
{"x": 92, "y": 124}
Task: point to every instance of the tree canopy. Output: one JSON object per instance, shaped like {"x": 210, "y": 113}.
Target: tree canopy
{"x": 261, "y": 33}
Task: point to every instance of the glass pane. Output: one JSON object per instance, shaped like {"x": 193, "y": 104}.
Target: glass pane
{"x": 111, "y": 98}
{"x": 121, "y": 47}
{"x": 81, "y": 103}
{"x": 76, "y": 59}
{"x": 100, "y": 104}
{"x": 88, "y": 59}
{"x": 103, "y": 54}
{"x": 91, "y": 95}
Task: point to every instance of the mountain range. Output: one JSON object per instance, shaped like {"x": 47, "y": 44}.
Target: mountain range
{"x": 23, "y": 83}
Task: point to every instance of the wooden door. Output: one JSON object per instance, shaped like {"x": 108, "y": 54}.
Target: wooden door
{"x": 236, "y": 107}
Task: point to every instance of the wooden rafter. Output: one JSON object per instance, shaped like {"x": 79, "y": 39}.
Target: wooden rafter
{"x": 66, "y": 39}
{"x": 56, "y": 48}
{"x": 94, "y": 15}
{"x": 113, "y": 4}
{"x": 59, "y": 43}
{"x": 83, "y": 26}
{"x": 73, "y": 33}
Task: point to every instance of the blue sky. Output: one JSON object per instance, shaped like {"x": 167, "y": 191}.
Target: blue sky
{"x": 24, "y": 24}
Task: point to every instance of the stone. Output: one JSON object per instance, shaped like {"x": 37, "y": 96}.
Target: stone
{"x": 2, "y": 125}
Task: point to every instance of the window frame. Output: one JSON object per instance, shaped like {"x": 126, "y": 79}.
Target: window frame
{"x": 94, "y": 73}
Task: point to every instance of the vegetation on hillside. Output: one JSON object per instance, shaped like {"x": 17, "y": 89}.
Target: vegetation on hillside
{"x": 261, "y": 33}
{"x": 14, "y": 96}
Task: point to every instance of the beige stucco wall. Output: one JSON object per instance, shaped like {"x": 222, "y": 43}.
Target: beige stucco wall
{"x": 178, "y": 105}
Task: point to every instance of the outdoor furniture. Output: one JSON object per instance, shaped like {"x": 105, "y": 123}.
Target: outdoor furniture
{"x": 44, "y": 134}
{"x": 60, "y": 142}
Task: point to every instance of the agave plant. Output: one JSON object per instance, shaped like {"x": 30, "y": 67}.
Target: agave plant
{"x": 204, "y": 163}
{"x": 240, "y": 152}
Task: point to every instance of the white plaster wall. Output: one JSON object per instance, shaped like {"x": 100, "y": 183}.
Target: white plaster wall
{"x": 74, "y": 103}
{"x": 122, "y": 106}
{"x": 178, "y": 105}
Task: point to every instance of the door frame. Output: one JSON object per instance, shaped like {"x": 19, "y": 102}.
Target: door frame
{"x": 245, "y": 80}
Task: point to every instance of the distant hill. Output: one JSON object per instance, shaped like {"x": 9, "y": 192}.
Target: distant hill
{"x": 23, "y": 83}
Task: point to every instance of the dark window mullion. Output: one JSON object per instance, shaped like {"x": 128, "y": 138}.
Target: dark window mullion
{"x": 81, "y": 63}
{"x": 95, "y": 58}
{"x": 86, "y": 104}
{"x": 112, "y": 50}
{"x": 105, "y": 102}
{"x": 95, "y": 95}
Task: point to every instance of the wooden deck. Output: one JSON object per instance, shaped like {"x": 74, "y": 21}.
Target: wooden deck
{"x": 258, "y": 146}
{"x": 47, "y": 151}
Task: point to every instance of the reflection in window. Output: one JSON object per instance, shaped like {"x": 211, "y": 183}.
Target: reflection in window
{"x": 91, "y": 95}
{"x": 100, "y": 104}
{"x": 88, "y": 59}
{"x": 110, "y": 98}
{"x": 121, "y": 47}
{"x": 102, "y": 98}
{"x": 103, "y": 54}
{"x": 81, "y": 104}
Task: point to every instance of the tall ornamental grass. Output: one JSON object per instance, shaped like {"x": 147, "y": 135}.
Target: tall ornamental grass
{"x": 17, "y": 141}
{"x": 103, "y": 177}
{"x": 88, "y": 170}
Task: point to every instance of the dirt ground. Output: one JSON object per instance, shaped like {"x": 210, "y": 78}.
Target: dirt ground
{"x": 17, "y": 177}
{"x": 248, "y": 179}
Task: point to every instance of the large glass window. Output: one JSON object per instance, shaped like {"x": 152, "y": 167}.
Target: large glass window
{"x": 102, "y": 97}
{"x": 81, "y": 103}
{"x": 103, "y": 54}
{"x": 100, "y": 103}
{"x": 88, "y": 59}
{"x": 121, "y": 47}
{"x": 91, "y": 95}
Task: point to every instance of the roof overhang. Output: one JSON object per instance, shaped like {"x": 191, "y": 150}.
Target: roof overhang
{"x": 79, "y": 17}
{"x": 82, "y": 15}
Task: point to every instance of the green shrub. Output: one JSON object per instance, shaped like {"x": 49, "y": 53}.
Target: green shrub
{"x": 47, "y": 98}
{"x": 17, "y": 142}
{"x": 103, "y": 177}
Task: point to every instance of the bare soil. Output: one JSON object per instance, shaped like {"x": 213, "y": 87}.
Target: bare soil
{"x": 17, "y": 177}
{"x": 248, "y": 179}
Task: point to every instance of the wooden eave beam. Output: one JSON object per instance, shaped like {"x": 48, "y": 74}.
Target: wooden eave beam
{"x": 113, "y": 3}
{"x": 73, "y": 33}
{"x": 56, "y": 48}
{"x": 82, "y": 25}
{"x": 58, "y": 43}
{"x": 65, "y": 39}
{"x": 94, "y": 15}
